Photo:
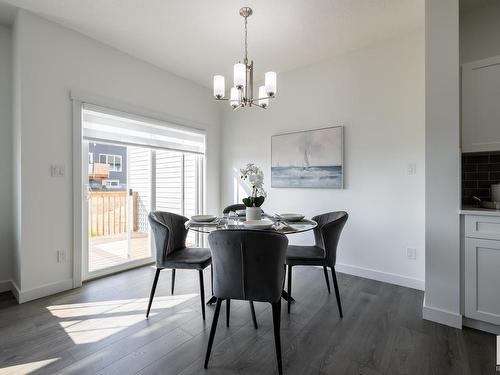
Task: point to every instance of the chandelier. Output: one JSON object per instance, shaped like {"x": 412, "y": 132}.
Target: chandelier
{"x": 241, "y": 94}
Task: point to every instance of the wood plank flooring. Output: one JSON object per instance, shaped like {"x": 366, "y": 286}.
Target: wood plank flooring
{"x": 101, "y": 329}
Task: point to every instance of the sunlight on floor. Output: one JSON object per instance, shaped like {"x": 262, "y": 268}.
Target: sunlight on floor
{"x": 93, "y": 321}
{"x": 23, "y": 367}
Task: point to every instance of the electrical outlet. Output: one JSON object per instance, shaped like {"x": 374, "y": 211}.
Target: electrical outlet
{"x": 61, "y": 256}
{"x": 412, "y": 169}
{"x": 57, "y": 170}
{"x": 411, "y": 253}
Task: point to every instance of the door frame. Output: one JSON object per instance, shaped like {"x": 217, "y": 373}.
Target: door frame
{"x": 78, "y": 98}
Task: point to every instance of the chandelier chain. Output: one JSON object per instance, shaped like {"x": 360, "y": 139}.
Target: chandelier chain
{"x": 246, "y": 42}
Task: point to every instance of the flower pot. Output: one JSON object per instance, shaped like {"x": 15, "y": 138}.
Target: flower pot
{"x": 253, "y": 213}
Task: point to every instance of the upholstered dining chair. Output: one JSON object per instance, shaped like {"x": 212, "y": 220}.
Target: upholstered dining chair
{"x": 323, "y": 253}
{"x": 248, "y": 265}
{"x": 234, "y": 208}
{"x": 170, "y": 234}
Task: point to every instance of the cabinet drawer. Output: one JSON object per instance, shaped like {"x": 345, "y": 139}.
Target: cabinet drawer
{"x": 482, "y": 280}
{"x": 487, "y": 227}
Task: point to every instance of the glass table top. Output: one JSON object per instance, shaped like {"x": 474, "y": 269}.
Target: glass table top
{"x": 234, "y": 222}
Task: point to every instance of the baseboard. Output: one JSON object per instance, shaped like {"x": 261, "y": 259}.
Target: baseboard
{"x": 482, "y": 326}
{"x": 386, "y": 277}
{"x": 5, "y": 286}
{"x": 42, "y": 291}
{"x": 15, "y": 290}
{"x": 445, "y": 317}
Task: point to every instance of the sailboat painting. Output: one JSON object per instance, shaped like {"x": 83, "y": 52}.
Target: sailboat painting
{"x": 308, "y": 159}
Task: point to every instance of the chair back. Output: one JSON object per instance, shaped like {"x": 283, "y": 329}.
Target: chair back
{"x": 169, "y": 233}
{"x": 327, "y": 233}
{"x": 248, "y": 264}
{"x": 234, "y": 208}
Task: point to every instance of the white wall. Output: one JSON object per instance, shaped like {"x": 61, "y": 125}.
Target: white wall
{"x": 5, "y": 157}
{"x": 480, "y": 33}
{"x": 53, "y": 60}
{"x": 377, "y": 93}
{"x": 442, "y": 160}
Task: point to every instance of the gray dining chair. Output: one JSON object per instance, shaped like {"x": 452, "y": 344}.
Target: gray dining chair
{"x": 234, "y": 208}
{"x": 323, "y": 253}
{"x": 248, "y": 265}
{"x": 170, "y": 234}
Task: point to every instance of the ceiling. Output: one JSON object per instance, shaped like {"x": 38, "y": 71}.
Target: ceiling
{"x": 196, "y": 39}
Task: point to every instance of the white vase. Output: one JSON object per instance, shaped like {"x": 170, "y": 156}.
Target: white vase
{"x": 253, "y": 213}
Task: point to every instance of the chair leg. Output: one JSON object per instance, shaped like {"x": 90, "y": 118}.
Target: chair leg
{"x": 153, "y": 289}
{"x": 212, "y": 331}
{"x": 254, "y": 318}
{"x": 173, "y": 282}
{"x": 277, "y": 340}
{"x": 337, "y": 293}
{"x": 326, "y": 279}
{"x": 228, "y": 311}
{"x": 202, "y": 294}
{"x": 212, "y": 278}
{"x": 289, "y": 291}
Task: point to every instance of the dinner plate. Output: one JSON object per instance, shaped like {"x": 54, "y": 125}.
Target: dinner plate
{"x": 203, "y": 218}
{"x": 241, "y": 212}
{"x": 291, "y": 217}
{"x": 258, "y": 224}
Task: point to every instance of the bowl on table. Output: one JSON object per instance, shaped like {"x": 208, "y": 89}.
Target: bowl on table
{"x": 241, "y": 212}
{"x": 258, "y": 224}
{"x": 203, "y": 218}
{"x": 290, "y": 217}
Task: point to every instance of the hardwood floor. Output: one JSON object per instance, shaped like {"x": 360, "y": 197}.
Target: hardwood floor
{"x": 101, "y": 329}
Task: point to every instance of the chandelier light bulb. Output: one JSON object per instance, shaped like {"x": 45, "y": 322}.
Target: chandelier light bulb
{"x": 262, "y": 94}
{"x": 219, "y": 87}
{"x": 235, "y": 97}
{"x": 240, "y": 71}
{"x": 270, "y": 82}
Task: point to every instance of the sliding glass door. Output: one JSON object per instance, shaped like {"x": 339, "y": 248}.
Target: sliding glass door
{"x": 124, "y": 183}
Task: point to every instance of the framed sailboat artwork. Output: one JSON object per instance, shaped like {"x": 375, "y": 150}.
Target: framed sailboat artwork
{"x": 308, "y": 159}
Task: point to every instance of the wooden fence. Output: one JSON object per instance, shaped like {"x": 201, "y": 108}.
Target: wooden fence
{"x": 108, "y": 212}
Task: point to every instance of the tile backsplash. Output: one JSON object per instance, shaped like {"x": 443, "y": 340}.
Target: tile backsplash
{"x": 479, "y": 171}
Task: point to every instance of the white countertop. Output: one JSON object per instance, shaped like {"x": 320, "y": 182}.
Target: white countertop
{"x": 473, "y": 210}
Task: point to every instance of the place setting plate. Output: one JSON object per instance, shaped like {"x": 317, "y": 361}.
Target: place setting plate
{"x": 289, "y": 217}
{"x": 204, "y": 219}
{"x": 258, "y": 224}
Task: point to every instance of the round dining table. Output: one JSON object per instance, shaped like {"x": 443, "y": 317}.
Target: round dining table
{"x": 238, "y": 222}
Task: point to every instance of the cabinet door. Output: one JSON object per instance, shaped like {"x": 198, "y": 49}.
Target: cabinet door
{"x": 480, "y": 108}
{"x": 482, "y": 280}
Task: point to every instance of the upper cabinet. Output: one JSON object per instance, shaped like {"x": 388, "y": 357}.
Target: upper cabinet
{"x": 481, "y": 105}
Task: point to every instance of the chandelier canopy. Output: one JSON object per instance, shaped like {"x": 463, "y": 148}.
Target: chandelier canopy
{"x": 241, "y": 94}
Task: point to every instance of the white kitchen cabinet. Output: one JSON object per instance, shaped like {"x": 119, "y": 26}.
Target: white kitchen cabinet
{"x": 482, "y": 278}
{"x": 482, "y": 226}
{"x": 480, "y": 105}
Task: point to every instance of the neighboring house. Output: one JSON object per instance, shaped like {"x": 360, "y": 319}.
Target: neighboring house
{"x": 115, "y": 157}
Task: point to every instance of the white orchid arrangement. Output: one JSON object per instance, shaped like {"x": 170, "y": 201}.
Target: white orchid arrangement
{"x": 255, "y": 177}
